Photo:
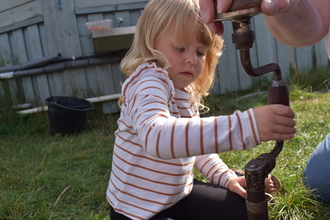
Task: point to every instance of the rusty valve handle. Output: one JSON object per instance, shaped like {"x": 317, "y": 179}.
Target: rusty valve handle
{"x": 240, "y": 8}
{"x": 244, "y": 4}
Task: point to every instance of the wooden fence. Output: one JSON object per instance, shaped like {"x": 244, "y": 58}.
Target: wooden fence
{"x": 32, "y": 29}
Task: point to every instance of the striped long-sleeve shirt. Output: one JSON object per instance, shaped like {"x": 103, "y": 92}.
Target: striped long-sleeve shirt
{"x": 160, "y": 138}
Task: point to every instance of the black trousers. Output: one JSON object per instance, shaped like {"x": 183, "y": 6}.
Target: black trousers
{"x": 205, "y": 202}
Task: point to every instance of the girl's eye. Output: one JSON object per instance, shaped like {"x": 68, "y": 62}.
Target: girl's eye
{"x": 179, "y": 49}
{"x": 200, "y": 54}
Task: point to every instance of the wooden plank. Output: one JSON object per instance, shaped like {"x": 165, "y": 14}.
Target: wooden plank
{"x": 101, "y": 3}
{"x": 96, "y": 83}
{"x": 2, "y": 89}
{"x": 5, "y": 91}
{"x": 85, "y": 36}
{"x": 40, "y": 82}
{"x": 6, "y": 5}
{"x": 68, "y": 30}
{"x": 228, "y": 74}
{"x": 65, "y": 40}
{"x": 321, "y": 54}
{"x": 92, "y": 87}
{"x": 304, "y": 58}
{"x": 5, "y": 60}
{"x": 71, "y": 48}
{"x": 100, "y": 78}
{"x": 13, "y": 90}
{"x": 19, "y": 51}
{"x": 265, "y": 44}
{"x": 77, "y": 82}
{"x": 61, "y": 35}
{"x": 106, "y": 80}
{"x": 118, "y": 78}
{"x": 28, "y": 84}
{"x": 17, "y": 25}
{"x": 134, "y": 15}
{"x": 115, "y": 79}
{"x": 24, "y": 12}
{"x": 5, "y": 51}
{"x": 53, "y": 38}
{"x": 44, "y": 42}
{"x": 75, "y": 78}
{"x": 51, "y": 23}
{"x": 216, "y": 86}
{"x": 110, "y": 8}
{"x": 286, "y": 58}
{"x": 93, "y": 74}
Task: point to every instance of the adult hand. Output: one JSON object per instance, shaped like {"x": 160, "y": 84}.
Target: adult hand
{"x": 209, "y": 8}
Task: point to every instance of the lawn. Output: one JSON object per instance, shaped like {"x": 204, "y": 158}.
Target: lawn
{"x": 44, "y": 177}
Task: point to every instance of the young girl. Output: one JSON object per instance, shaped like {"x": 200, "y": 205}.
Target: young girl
{"x": 160, "y": 136}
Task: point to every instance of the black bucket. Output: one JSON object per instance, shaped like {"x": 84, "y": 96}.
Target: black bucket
{"x": 66, "y": 115}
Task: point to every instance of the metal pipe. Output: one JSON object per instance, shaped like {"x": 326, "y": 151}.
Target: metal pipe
{"x": 35, "y": 63}
{"x": 60, "y": 66}
{"x": 92, "y": 100}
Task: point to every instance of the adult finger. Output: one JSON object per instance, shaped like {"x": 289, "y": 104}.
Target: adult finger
{"x": 272, "y": 7}
{"x": 207, "y": 8}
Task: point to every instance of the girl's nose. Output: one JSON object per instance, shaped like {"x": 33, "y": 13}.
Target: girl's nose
{"x": 191, "y": 58}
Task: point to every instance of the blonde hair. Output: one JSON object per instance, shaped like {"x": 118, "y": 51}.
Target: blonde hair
{"x": 158, "y": 16}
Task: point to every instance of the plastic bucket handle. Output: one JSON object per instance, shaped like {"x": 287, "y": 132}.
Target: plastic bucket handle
{"x": 90, "y": 108}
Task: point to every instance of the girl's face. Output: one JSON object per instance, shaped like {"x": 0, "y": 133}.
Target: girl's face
{"x": 187, "y": 57}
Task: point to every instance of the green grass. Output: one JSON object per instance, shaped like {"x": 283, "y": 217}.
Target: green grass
{"x": 44, "y": 177}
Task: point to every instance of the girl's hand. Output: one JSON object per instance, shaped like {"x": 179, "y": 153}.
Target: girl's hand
{"x": 275, "y": 122}
{"x": 238, "y": 185}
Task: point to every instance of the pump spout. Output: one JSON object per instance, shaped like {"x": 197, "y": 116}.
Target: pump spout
{"x": 243, "y": 39}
